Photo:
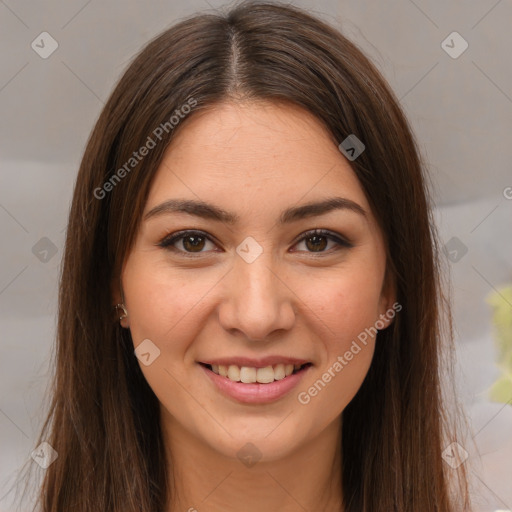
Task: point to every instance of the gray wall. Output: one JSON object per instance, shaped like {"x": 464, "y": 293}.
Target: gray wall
{"x": 460, "y": 109}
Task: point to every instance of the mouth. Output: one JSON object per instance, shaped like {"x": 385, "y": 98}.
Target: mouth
{"x": 269, "y": 380}
{"x": 253, "y": 375}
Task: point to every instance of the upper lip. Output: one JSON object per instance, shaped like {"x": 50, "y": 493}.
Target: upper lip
{"x": 253, "y": 362}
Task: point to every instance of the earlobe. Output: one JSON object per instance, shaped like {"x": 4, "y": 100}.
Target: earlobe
{"x": 120, "y": 311}
{"x": 389, "y": 305}
{"x": 387, "y": 317}
{"x": 122, "y": 314}
{"x": 384, "y": 321}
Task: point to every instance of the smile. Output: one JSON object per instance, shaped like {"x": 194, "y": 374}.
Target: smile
{"x": 249, "y": 375}
{"x": 255, "y": 385}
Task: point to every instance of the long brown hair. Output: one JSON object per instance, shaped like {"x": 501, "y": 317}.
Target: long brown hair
{"x": 104, "y": 418}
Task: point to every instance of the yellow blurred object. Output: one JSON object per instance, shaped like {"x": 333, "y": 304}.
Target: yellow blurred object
{"x": 501, "y": 303}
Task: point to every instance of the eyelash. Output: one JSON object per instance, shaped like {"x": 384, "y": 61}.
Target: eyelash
{"x": 168, "y": 241}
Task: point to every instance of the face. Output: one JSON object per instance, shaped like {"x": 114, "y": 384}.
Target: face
{"x": 246, "y": 286}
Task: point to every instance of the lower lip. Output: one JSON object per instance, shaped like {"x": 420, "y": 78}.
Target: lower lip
{"x": 256, "y": 393}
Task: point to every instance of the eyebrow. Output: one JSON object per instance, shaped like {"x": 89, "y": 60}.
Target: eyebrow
{"x": 293, "y": 214}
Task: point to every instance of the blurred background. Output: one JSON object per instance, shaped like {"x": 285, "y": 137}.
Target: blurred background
{"x": 448, "y": 63}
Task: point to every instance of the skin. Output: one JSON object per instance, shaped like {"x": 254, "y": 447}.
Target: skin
{"x": 255, "y": 160}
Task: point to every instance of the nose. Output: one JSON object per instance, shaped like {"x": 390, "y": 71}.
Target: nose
{"x": 257, "y": 302}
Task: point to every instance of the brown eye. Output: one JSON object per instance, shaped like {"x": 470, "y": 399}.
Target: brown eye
{"x": 186, "y": 242}
{"x": 193, "y": 243}
{"x": 316, "y": 243}
{"x": 318, "y": 240}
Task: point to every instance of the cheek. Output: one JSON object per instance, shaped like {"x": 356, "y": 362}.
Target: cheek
{"x": 345, "y": 308}
{"x": 328, "y": 394}
{"x": 165, "y": 303}
{"x": 165, "y": 307}
{"x": 351, "y": 315}
{"x": 349, "y": 310}
{"x": 345, "y": 303}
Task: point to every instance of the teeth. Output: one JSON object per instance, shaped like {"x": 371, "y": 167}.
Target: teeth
{"x": 250, "y": 375}
{"x": 265, "y": 375}
{"x": 279, "y": 372}
{"x": 234, "y": 373}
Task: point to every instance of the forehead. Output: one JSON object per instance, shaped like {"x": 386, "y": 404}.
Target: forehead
{"x": 254, "y": 154}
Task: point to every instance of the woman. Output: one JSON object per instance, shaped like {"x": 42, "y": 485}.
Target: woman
{"x": 250, "y": 306}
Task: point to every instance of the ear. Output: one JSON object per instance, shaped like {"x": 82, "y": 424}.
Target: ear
{"x": 388, "y": 306}
{"x": 115, "y": 291}
{"x": 117, "y": 294}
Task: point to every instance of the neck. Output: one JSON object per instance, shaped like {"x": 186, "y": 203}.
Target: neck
{"x": 203, "y": 479}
